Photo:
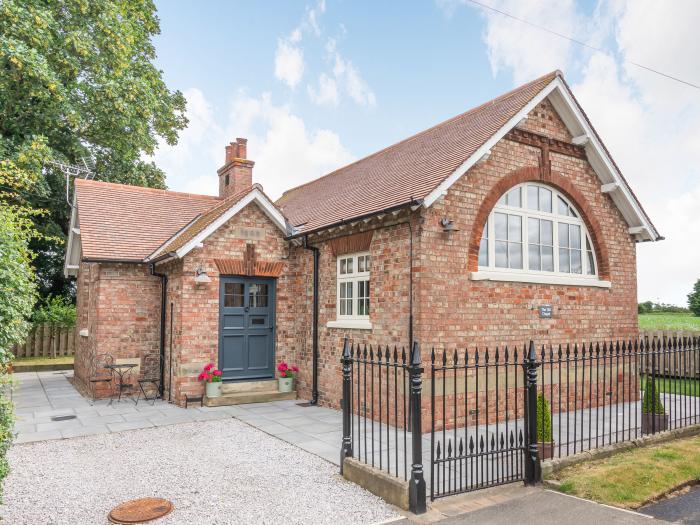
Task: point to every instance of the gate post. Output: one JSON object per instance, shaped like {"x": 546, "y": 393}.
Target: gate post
{"x": 416, "y": 484}
{"x": 346, "y": 448}
{"x": 533, "y": 469}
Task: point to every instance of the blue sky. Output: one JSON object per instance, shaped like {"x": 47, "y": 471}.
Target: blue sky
{"x": 314, "y": 85}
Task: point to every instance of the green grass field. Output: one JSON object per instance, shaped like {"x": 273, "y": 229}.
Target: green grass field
{"x": 669, "y": 322}
{"x": 686, "y": 387}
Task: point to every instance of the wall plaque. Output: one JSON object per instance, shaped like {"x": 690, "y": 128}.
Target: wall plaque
{"x": 546, "y": 311}
{"x": 249, "y": 233}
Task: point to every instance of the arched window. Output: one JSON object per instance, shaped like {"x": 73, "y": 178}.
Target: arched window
{"x": 535, "y": 230}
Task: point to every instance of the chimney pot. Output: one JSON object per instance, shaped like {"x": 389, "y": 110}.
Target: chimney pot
{"x": 242, "y": 148}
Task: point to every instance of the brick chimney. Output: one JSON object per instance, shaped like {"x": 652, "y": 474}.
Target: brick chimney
{"x": 237, "y": 172}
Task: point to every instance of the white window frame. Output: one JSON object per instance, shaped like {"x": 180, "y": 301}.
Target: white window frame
{"x": 493, "y": 273}
{"x": 353, "y": 320}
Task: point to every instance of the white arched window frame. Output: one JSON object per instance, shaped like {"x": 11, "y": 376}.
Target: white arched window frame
{"x": 535, "y": 234}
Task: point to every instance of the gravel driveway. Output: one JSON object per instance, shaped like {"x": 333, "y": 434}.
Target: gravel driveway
{"x": 214, "y": 472}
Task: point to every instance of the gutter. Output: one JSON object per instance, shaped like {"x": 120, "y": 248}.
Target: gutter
{"x": 163, "y": 302}
{"x": 314, "y": 367}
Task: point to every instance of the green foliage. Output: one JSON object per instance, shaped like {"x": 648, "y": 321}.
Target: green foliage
{"x": 7, "y": 423}
{"x": 79, "y": 82}
{"x": 650, "y": 307}
{"x": 652, "y": 399}
{"x": 694, "y": 299}
{"x": 56, "y": 311}
{"x": 17, "y": 288}
{"x": 544, "y": 420}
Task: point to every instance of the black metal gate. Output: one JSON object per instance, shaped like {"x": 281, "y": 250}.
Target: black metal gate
{"x": 478, "y": 434}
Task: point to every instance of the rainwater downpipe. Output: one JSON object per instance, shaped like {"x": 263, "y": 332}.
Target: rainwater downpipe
{"x": 314, "y": 366}
{"x": 163, "y": 303}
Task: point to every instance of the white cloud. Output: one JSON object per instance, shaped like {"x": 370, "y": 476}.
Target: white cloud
{"x": 191, "y": 164}
{"x": 286, "y": 152}
{"x": 326, "y": 94}
{"x": 506, "y": 38}
{"x": 289, "y": 62}
{"x": 650, "y": 124}
{"x": 348, "y": 76}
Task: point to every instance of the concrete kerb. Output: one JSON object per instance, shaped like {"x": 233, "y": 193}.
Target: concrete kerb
{"x": 553, "y": 466}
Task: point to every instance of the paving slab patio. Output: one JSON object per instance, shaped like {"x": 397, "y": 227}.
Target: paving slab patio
{"x": 41, "y": 396}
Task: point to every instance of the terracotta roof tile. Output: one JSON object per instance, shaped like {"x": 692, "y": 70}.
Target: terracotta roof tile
{"x": 410, "y": 169}
{"x": 191, "y": 230}
{"x": 121, "y": 222}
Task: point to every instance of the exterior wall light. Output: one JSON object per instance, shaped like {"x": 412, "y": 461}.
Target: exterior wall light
{"x": 448, "y": 226}
{"x": 201, "y": 277}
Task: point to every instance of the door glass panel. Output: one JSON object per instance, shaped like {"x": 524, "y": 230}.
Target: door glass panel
{"x": 257, "y": 295}
{"x": 233, "y": 295}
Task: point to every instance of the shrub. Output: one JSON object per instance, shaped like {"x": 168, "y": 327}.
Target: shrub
{"x": 652, "y": 399}
{"x": 6, "y": 431}
{"x": 544, "y": 420}
{"x": 56, "y": 311}
{"x": 694, "y": 299}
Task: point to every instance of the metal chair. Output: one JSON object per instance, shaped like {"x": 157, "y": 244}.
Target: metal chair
{"x": 152, "y": 364}
{"x": 99, "y": 373}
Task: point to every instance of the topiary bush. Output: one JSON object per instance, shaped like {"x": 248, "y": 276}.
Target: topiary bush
{"x": 652, "y": 399}
{"x": 544, "y": 420}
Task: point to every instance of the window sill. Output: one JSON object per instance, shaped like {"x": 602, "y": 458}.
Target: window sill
{"x": 514, "y": 277}
{"x": 358, "y": 324}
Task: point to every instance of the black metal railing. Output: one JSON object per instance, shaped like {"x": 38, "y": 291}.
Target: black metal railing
{"x": 494, "y": 415}
{"x": 382, "y": 413}
{"x": 477, "y": 436}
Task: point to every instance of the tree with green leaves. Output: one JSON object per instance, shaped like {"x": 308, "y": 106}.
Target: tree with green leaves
{"x": 694, "y": 299}
{"x": 78, "y": 82}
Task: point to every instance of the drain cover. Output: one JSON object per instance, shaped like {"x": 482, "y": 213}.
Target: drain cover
{"x": 62, "y": 418}
{"x": 140, "y": 510}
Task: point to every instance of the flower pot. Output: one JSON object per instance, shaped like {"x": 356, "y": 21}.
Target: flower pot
{"x": 654, "y": 423}
{"x": 545, "y": 450}
{"x": 214, "y": 389}
{"x": 286, "y": 384}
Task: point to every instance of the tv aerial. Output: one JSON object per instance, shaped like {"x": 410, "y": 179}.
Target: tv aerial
{"x": 86, "y": 171}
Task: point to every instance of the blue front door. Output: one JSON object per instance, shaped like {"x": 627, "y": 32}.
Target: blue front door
{"x": 246, "y": 328}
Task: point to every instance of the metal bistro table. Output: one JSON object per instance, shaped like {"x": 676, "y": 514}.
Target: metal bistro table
{"x": 122, "y": 371}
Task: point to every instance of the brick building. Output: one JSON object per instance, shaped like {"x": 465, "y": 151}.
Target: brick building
{"x": 454, "y": 237}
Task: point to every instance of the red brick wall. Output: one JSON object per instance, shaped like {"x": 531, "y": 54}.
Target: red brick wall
{"x": 196, "y": 307}
{"x": 119, "y": 304}
{"x": 457, "y": 312}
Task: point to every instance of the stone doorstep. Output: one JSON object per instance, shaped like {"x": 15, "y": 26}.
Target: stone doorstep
{"x": 242, "y": 398}
{"x": 266, "y": 385}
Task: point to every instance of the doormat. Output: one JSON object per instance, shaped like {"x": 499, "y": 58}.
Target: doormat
{"x": 140, "y": 510}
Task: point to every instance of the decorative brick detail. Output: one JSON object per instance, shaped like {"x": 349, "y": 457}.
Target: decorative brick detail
{"x": 249, "y": 259}
{"x": 561, "y": 183}
{"x": 358, "y": 242}
{"x": 238, "y": 267}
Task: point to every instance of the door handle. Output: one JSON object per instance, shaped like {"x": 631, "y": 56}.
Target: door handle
{"x": 246, "y": 309}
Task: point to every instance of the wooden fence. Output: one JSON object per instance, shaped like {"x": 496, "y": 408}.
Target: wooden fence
{"x": 688, "y": 366}
{"x": 48, "y": 341}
